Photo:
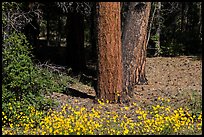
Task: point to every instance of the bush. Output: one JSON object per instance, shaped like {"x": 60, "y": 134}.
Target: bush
{"x": 21, "y": 81}
{"x": 17, "y": 66}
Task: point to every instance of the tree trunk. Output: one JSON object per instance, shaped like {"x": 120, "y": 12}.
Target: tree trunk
{"x": 182, "y": 15}
{"x": 158, "y": 32}
{"x": 59, "y": 31}
{"x": 151, "y": 23}
{"x": 48, "y": 29}
{"x": 186, "y": 19}
{"x": 93, "y": 31}
{"x": 200, "y": 21}
{"x": 134, "y": 45}
{"x": 32, "y": 29}
{"x": 75, "y": 41}
{"x": 109, "y": 85}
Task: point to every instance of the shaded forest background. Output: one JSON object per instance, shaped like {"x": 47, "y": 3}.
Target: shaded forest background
{"x": 63, "y": 33}
{"x": 46, "y": 45}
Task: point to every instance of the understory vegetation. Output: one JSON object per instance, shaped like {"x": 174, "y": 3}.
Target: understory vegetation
{"x": 24, "y": 83}
{"x": 26, "y": 110}
{"x": 70, "y": 120}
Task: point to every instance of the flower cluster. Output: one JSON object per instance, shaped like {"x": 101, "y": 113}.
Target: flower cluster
{"x": 70, "y": 120}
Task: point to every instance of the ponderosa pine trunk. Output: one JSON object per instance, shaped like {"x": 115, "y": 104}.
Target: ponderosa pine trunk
{"x": 134, "y": 45}
{"x": 109, "y": 84}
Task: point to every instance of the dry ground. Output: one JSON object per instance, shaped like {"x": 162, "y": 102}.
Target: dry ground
{"x": 176, "y": 78}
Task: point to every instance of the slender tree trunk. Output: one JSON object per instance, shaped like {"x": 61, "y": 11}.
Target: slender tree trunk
{"x": 182, "y": 15}
{"x": 7, "y": 27}
{"x": 75, "y": 42}
{"x": 59, "y": 31}
{"x": 134, "y": 45}
{"x": 48, "y": 29}
{"x": 200, "y": 21}
{"x": 93, "y": 31}
{"x": 32, "y": 29}
{"x": 151, "y": 23}
{"x": 158, "y": 32}
{"x": 109, "y": 85}
{"x": 187, "y": 9}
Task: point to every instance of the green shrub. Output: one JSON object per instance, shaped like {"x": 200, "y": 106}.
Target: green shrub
{"x": 21, "y": 80}
{"x": 17, "y": 66}
{"x": 26, "y": 84}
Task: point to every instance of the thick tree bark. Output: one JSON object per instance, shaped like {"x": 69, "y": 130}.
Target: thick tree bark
{"x": 75, "y": 42}
{"x": 134, "y": 45}
{"x": 109, "y": 85}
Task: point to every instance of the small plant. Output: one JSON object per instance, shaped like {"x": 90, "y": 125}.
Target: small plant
{"x": 70, "y": 120}
{"x": 195, "y": 103}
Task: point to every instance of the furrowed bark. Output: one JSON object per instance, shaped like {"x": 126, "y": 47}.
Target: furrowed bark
{"x": 134, "y": 45}
{"x": 109, "y": 85}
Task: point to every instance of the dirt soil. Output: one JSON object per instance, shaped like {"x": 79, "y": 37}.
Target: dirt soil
{"x": 175, "y": 78}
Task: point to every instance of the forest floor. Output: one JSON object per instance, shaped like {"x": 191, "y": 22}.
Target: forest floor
{"x": 176, "y": 78}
